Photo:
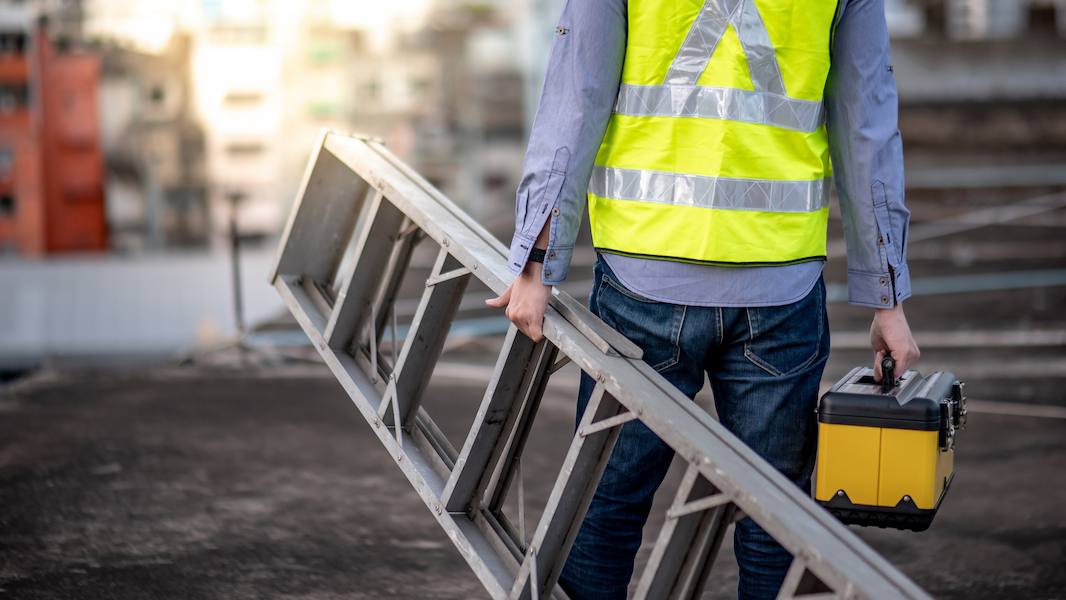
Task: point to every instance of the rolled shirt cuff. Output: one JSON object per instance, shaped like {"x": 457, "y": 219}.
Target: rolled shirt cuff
{"x": 879, "y": 290}
{"x": 556, "y": 259}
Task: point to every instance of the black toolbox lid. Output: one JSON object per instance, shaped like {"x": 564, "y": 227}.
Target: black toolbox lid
{"x": 858, "y": 400}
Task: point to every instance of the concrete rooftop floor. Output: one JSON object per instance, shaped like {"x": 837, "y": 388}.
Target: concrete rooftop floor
{"x": 202, "y": 483}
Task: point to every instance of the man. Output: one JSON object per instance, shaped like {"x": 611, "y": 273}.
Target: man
{"x": 701, "y": 134}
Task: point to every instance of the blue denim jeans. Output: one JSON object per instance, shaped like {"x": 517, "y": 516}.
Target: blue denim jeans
{"x": 764, "y": 364}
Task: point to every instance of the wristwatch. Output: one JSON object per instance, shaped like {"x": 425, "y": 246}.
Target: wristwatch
{"x": 536, "y": 255}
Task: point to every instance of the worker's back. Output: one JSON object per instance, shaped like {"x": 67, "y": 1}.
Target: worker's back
{"x": 717, "y": 150}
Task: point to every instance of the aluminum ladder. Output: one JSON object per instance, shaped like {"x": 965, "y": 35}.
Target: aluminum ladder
{"x": 344, "y": 251}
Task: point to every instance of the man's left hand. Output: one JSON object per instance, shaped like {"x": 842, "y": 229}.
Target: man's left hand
{"x": 525, "y": 300}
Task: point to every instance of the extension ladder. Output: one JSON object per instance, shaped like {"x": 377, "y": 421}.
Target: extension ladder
{"x": 359, "y": 214}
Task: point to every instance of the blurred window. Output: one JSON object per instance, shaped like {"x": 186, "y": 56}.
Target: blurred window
{"x": 7, "y": 205}
{"x": 243, "y": 98}
{"x": 244, "y": 149}
{"x": 12, "y": 43}
{"x": 13, "y": 97}
{"x": 7, "y": 162}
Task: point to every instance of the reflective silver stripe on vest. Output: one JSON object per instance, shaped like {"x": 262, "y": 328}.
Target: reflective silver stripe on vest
{"x": 701, "y": 41}
{"x": 707, "y": 30}
{"x": 679, "y": 96}
{"x": 762, "y": 61}
{"x": 719, "y": 103}
{"x": 710, "y": 192}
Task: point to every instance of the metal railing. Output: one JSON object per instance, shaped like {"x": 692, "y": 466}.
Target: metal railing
{"x": 359, "y": 215}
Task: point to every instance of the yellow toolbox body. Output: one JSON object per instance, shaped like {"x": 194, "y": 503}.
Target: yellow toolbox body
{"x": 886, "y": 452}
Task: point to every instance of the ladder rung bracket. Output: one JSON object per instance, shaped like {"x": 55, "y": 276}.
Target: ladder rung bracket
{"x": 397, "y": 421}
{"x": 313, "y": 289}
{"x": 392, "y": 277}
{"x": 698, "y": 506}
{"x": 569, "y": 499}
{"x": 425, "y": 339}
{"x": 615, "y": 421}
{"x": 373, "y": 340}
{"x": 802, "y": 584}
{"x": 411, "y": 229}
{"x": 562, "y": 362}
{"x": 501, "y": 534}
{"x": 688, "y": 543}
{"x": 460, "y": 272}
{"x": 442, "y": 447}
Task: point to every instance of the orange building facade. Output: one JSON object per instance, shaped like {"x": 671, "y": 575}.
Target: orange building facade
{"x": 51, "y": 161}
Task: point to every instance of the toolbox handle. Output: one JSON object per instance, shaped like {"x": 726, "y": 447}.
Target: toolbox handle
{"x": 888, "y": 373}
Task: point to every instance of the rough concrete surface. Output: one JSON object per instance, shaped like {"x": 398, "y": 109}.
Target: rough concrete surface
{"x": 198, "y": 484}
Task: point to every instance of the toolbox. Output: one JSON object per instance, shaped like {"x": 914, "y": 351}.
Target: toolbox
{"x": 886, "y": 449}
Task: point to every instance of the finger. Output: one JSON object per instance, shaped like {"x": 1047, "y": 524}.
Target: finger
{"x": 536, "y": 332}
{"x": 878, "y": 356}
{"x": 500, "y": 301}
{"x": 525, "y": 329}
{"x": 905, "y": 360}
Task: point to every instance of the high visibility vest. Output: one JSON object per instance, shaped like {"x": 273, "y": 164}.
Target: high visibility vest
{"x": 717, "y": 151}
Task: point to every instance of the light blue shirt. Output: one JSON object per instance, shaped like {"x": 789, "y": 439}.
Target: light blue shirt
{"x": 580, "y": 88}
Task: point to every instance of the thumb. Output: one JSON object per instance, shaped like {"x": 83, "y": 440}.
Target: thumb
{"x": 500, "y": 301}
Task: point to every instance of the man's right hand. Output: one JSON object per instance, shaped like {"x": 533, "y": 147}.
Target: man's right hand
{"x": 890, "y": 334}
{"x": 526, "y": 300}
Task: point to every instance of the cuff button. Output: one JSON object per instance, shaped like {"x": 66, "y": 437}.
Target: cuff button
{"x": 551, "y": 254}
{"x": 547, "y": 273}
{"x": 884, "y": 299}
{"x": 555, "y": 211}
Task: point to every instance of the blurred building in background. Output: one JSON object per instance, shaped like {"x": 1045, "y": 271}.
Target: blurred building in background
{"x": 154, "y": 148}
{"x": 134, "y": 129}
{"x": 237, "y": 61}
{"x": 51, "y": 164}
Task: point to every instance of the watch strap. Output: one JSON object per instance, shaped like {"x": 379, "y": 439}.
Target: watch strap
{"x": 536, "y": 255}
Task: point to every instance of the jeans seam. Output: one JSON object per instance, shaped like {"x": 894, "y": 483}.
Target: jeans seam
{"x": 721, "y": 325}
{"x": 771, "y": 369}
{"x": 666, "y": 364}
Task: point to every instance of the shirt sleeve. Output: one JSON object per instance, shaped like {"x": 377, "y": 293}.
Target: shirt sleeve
{"x": 579, "y": 93}
{"x": 867, "y": 153}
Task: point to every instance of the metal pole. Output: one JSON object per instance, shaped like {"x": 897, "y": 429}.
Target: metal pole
{"x": 235, "y": 262}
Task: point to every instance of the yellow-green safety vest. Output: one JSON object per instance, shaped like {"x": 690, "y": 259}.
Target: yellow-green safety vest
{"x": 717, "y": 150}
